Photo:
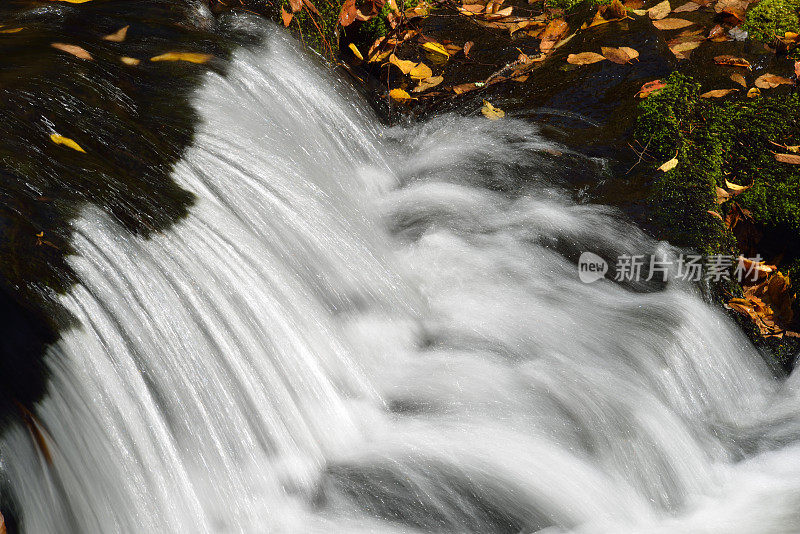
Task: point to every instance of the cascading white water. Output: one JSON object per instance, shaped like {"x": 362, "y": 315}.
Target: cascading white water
{"x": 353, "y": 332}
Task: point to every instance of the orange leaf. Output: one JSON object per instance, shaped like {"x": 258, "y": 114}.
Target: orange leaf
{"x": 553, "y": 33}
{"x": 672, "y": 24}
{"x": 718, "y": 93}
{"x": 75, "y": 50}
{"x": 770, "y": 81}
{"x": 732, "y": 61}
{"x": 287, "y": 17}
{"x": 118, "y": 36}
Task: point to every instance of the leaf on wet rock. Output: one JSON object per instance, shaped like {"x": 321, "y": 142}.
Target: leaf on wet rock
{"x": 659, "y": 11}
{"x": 132, "y": 61}
{"x": 286, "y": 17}
{"x": 420, "y": 71}
{"x": 770, "y": 81}
{"x": 793, "y": 159}
{"x": 672, "y": 24}
{"x": 612, "y": 12}
{"x": 553, "y": 33}
{"x": 619, "y": 55}
{"x": 718, "y": 93}
{"x": 427, "y": 83}
{"x": 399, "y": 95}
{"x": 738, "y": 78}
{"x": 492, "y": 113}
{"x": 687, "y": 7}
{"x": 296, "y": 5}
{"x": 683, "y": 49}
{"x": 118, "y": 36}
{"x": 191, "y": 57}
{"x": 467, "y": 47}
{"x": 75, "y": 50}
{"x": 464, "y": 88}
{"x": 651, "y": 88}
{"x": 436, "y": 48}
{"x": 347, "y": 15}
{"x": 585, "y": 58}
{"x": 11, "y": 30}
{"x": 356, "y": 52}
{"x": 66, "y": 141}
{"x": 718, "y": 34}
{"x": 732, "y": 61}
{"x": 669, "y": 165}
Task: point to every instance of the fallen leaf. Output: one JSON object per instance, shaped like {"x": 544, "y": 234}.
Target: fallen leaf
{"x": 12, "y": 30}
{"x": 585, "y": 58}
{"x": 75, "y": 50}
{"x": 770, "y": 81}
{"x": 296, "y": 5}
{"x": 650, "y": 88}
{"x": 347, "y": 15}
{"x": 753, "y": 92}
{"x": 118, "y": 36}
{"x": 758, "y": 270}
{"x": 492, "y": 113}
{"x": 420, "y": 71}
{"x": 672, "y": 24}
{"x": 668, "y": 166}
{"x": 286, "y": 17}
{"x": 464, "y": 88}
{"x": 722, "y": 195}
{"x": 687, "y": 7}
{"x": 683, "y": 49}
{"x": 436, "y": 48}
{"x": 633, "y": 54}
{"x": 659, "y": 11}
{"x": 797, "y": 68}
{"x": 732, "y": 61}
{"x": 794, "y": 159}
{"x": 399, "y": 95}
{"x": 736, "y": 188}
{"x": 616, "y": 55}
{"x": 130, "y": 60}
{"x": 467, "y": 47}
{"x": 354, "y": 49}
{"x": 66, "y": 141}
{"x": 191, "y": 57}
{"x": 738, "y": 78}
{"x": 74, "y": 1}
{"x": 718, "y": 34}
{"x": 553, "y": 33}
{"x": 427, "y": 83}
{"x": 715, "y": 214}
{"x": 718, "y": 93}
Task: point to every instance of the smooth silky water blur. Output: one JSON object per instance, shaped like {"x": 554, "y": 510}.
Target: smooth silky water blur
{"x": 357, "y": 330}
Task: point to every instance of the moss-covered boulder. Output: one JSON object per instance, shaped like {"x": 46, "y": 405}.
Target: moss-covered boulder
{"x": 771, "y": 18}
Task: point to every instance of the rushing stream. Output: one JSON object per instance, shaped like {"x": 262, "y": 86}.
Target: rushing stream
{"x": 368, "y": 329}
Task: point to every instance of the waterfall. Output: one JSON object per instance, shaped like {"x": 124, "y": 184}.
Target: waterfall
{"x": 369, "y": 329}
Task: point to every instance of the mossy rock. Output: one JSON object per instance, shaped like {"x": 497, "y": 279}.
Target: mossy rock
{"x": 574, "y": 5}
{"x": 771, "y": 18}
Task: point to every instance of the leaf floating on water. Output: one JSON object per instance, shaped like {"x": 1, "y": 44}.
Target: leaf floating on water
{"x": 683, "y": 49}
{"x": 75, "y": 50}
{"x": 553, "y": 33}
{"x": 687, "y": 7}
{"x": 399, "y": 95}
{"x": 492, "y": 113}
{"x": 66, "y": 141}
{"x": 668, "y": 166}
{"x": 732, "y": 61}
{"x": 651, "y": 88}
{"x": 191, "y": 57}
{"x": 354, "y": 49}
{"x": 672, "y": 24}
{"x": 738, "y": 78}
{"x": 585, "y": 58}
{"x": 130, "y": 60}
{"x": 659, "y": 11}
{"x": 427, "y": 83}
{"x": 11, "y": 30}
{"x": 469, "y": 44}
{"x": 633, "y": 54}
{"x": 118, "y": 36}
{"x": 794, "y": 159}
{"x": 74, "y": 1}
{"x": 718, "y": 93}
{"x": 619, "y": 55}
{"x": 771, "y": 81}
{"x": 436, "y": 48}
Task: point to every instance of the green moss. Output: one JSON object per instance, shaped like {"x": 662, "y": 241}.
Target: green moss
{"x": 379, "y": 26}
{"x": 317, "y": 31}
{"x": 574, "y": 5}
{"x": 772, "y": 17}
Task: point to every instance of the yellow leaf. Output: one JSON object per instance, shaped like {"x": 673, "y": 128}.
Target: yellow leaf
{"x": 668, "y": 166}
{"x": 399, "y": 95}
{"x": 753, "y": 92}
{"x": 379, "y": 57}
{"x": 633, "y": 54}
{"x": 12, "y": 30}
{"x": 74, "y": 1}
{"x": 436, "y": 48}
{"x": 130, "y": 60}
{"x": 492, "y": 113}
{"x": 191, "y": 57}
{"x": 66, "y": 141}
{"x": 736, "y": 187}
{"x": 584, "y": 58}
{"x": 420, "y": 72}
{"x": 427, "y": 83}
{"x": 75, "y": 50}
{"x": 354, "y": 49}
{"x": 738, "y": 78}
{"x": 404, "y": 65}
{"x": 118, "y": 36}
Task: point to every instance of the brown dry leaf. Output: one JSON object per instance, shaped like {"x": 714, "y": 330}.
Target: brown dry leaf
{"x": 464, "y": 88}
{"x": 492, "y": 113}
{"x": 759, "y": 270}
{"x": 753, "y": 92}
{"x": 467, "y": 47}
{"x": 715, "y": 214}
{"x": 687, "y": 7}
{"x": 738, "y": 78}
{"x": 682, "y": 50}
{"x": 650, "y": 88}
{"x": 797, "y": 68}
{"x": 718, "y": 34}
{"x": 723, "y": 5}
{"x": 617, "y": 55}
{"x": 286, "y": 17}
{"x": 718, "y": 93}
{"x": 722, "y": 195}
{"x": 770, "y": 81}
{"x": 659, "y": 11}
{"x": 347, "y": 15}
{"x": 612, "y": 12}
{"x": 732, "y": 61}
{"x": 669, "y": 165}
{"x": 427, "y": 83}
{"x": 794, "y": 159}
{"x": 75, "y": 50}
{"x": 553, "y": 33}
{"x": 672, "y": 24}
{"x": 585, "y": 58}
{"x": 118, "y": 36}
{"x": 296, "y": 5}
{"x": 132, "y": 61}
{"x": 191, "y": 57}
{"x": 399, "y": 95}
{"x": 66, "y": 141}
